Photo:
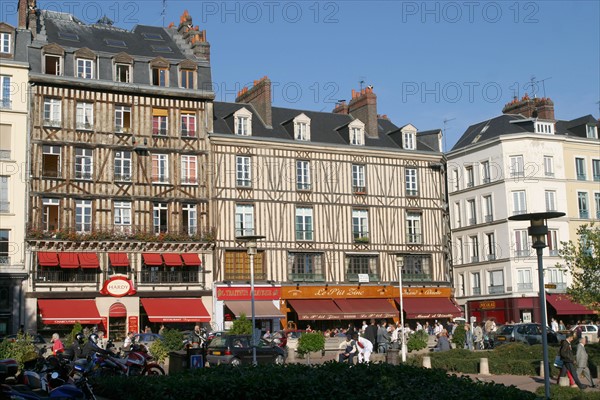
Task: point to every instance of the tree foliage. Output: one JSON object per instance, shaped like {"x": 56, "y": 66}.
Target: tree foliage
{"x": 21, "y": 349}
{"x": 582, "y": 259}
{"x": 309, "y": 342}
{"x": 241, "y": 326}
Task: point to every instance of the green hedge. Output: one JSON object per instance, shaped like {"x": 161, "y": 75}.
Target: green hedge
{"x": 299, "y": 381}
{"x": 567, "y": 393}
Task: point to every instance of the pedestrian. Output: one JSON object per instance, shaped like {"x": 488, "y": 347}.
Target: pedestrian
{"x": 161, "y": 331}
{"x": 364, "y": 347}
{"x": 468, "y": 337}
{"x": 363, "y": 327}
{"x": 308, "y": 329}
{"x": 478, "y": 336}
{"x": 196, "y": 337}
{"x": 554, "y": 325}
{"x": 128, "y": 341}
{"x": 348, "y": 348}
{"x": 443, "y": 343}
{"x": 437, "y": 329}
{"x": 57, "y": 345}
{"x": 267, "y": 335}
{"x": 371, "y": 333}
{"x": 383, "y": 338}
{"x": 566, "y": 356}
{"x": 581, "y": 357}
{"x": 419, "y": 326}
{"x": 561, "y": 326}
{"x": 148, "y": 330}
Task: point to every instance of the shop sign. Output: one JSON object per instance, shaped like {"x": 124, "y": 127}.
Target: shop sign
{"x": 118, "y": 286}
{"x": 243, "y": 293}
{"x": 356, "y": 291}
{"x": 132, "y": 323}
{"x": 487, "y": 305}
{"x": 432, "y": 316}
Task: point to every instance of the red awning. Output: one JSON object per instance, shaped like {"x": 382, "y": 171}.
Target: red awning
{"x": 191, "y": 259}
{"x": 175, "y": 310}
{"x": 430, "y": 308}
{"x": 367, "y": 308}
{"x": 564, "y": 305}
{"x": 118, "y": 259}
{"x": 68, "y": 260}
{"x": 313, "y": 310}
{"x": 172, "y": 259}
{"x": 69, "y": 311}
{"x": 152, "y": 259}
{"x": 46, "y": 259}
{"x": 262, "y": 309}
{"x": 89, "y": 260}
{"x": 117, "y": 310}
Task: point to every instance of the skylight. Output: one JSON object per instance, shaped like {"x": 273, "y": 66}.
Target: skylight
{"x": 161, "y": 49}
{"x": 115, "y": 43}
{"x": 152, "y": 36}
{"x": 68, "y": 36}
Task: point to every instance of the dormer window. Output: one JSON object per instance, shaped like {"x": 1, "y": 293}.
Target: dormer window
{"x": 408, "y": 142}
{"x": 592, "y": 132}
{"x": 52, "y": 62}
{"x": 85, "y": 68}
{"x": 5, "y": 41}
{"x": 159, "y": 72}
{"x": 302, "y": 127}
{"x": 544, "y": 127}
{"x": 357, "y": 133}
{"x": 242, "y": 122}
{"x": 122, "y": 73}
{"x": 187, "y": 72}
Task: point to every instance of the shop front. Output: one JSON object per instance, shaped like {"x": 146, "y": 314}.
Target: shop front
{"x": 232, "y": 302}
{"x": 502, "y": 311}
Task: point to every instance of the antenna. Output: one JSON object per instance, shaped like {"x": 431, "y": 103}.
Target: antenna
{"x": 534, "y": 84}
{"x": 445, "y": 121}
{"x": 361, "y": 82}
{"x": 164, "y": 11}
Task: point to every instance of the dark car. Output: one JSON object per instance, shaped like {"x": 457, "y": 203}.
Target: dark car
{"x": 237, "y": 350}
{"x": 524, "y": 333}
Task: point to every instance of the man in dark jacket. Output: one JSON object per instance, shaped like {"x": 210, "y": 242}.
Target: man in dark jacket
{"x": 566, "y": 356}
{"x": 371, "y": 333}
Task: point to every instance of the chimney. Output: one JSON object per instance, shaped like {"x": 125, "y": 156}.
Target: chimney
{"x": 260, "y": 97}
{"x": 194, "y": 36}
{"x": 364, "y": 107}
{"x": 23, "y": 9}
{"x": 542, "y": 108}
{"x": 341, "y": 107}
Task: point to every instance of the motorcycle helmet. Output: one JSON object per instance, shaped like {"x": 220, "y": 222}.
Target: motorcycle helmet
{"x": 93, "y": 338}
{"x": 79, "y": 337}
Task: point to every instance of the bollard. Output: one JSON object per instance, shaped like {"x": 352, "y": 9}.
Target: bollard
{"x": 484, "y": 368}
{"x": 541, "y": 369}
{"x": 426, "y": 362}
{"x": 564, "y": 381}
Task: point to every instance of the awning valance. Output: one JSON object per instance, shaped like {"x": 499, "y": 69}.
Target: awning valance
{"x": 118, "y": 259}
{"x": 564, "y": 305}
{"x": 152, "y": 259}
{"x": 366, "y": 308}
{"x": 88, "y": 260}
{"x": 117, "y": 310}
{"x": 430, "y": 308}
{"x": 172, "y": 259}
{"x": 176, "y": 310}
{"x": 191, "y": 259}
{"x": 68, "y": 311}
{"x": 312, "y": 310}
{"x": 262, "y": 309}
{"x": 68, "y": 260}
{"x": 47, "y": 259}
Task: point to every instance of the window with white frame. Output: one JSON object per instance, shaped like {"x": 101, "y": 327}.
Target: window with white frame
{"x": 123, "y": 166}
{"x": 556, "y": 276}
{"x": 408, "y": 140}
{"x": 519, "y": 202}
{"x": 51, "y": 161}
{"x": 306, "y": 267}
{"x": 496, "y": 282}
{"x": 160, "y": 217}
{"x": 550, "y": 200}
{"x": 53, "y": 64}
{"x": 489, "y": 208}
{"x": 360, "y": 225}
{"x": 461, "y": 284}
{"x": 190, "y": 219}
{"x": 461, "y": 251}
{"x": 362, "y": 264}
{"x": 84, "y": 117}
{"x": 485, "y": 171}
{"x": 122, "y": 73}
{"x": 302, "y": 127}
{"x": 490, "y": 239}
{"x": 5, "y": 42}
{"x": 592, "y": 132}
{"x": 243, "y": 171}
{"x": 413, "y": 227}
{"x": 456, "y": 180}
{"x": 5, "y": 92}
{"x": 582, "y": 204}
{"x": 457, "y": 215}
{"x": 474, "y": 248}
{"x": 52, "y": 112}
{"x": 596, "y": 170}
{"x": 188, "y": 124}
{"x": 160, "y": 122}
{"x": 303, "y": 181}
{"x": 470, "y": 176}
{"x": 522, "y": 243}
{"x": 357, "y": 133}
{"x": 84, "y": 163}
{"x": 122, "y": 214}
{"x": 476, "y": 283}
{"x": 358, "y": 178}
{"x": 417, "y": 267}
{"x": 412, "y": 188}
{"x": 122, "y": 119}
{"x": 4, "y": 202}
{"x": 552, "y": 242}
{"x": 85, "y": 68}
{"x": 5, "y": 246}
{"x": 580, "y": 169}
{"x": 160, "y": 168}
{"x": 549, "y": 166}
{"x": 544, "y": 127}
{"x": 189, "y": 169}
{"x": 304, "y": 223}
{"x": 242, "y": 122}
{"x": 524, "y": 282}
{"x": 472, "y": 212}
{"x": 597, "y": 202}
{"x": 244, "y": 220}
{"x": 83, "y": 216}
{"x": 50, "y": 212}
{"x": 517, "y": 167}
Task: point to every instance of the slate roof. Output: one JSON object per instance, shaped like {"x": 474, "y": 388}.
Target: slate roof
{"x": 324, "y": 127}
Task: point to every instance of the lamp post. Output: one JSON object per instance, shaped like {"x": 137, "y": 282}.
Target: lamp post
{"x": 538, "y": 231}
{"x": 250, "y": 241}
{"x": 400, "y": 264}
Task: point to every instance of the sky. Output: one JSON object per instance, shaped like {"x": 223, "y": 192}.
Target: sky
{"x": 434, "y": 64}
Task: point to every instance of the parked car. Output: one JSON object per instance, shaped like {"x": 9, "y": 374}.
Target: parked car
{"x": 588, "y": 330}
{"x": 237, "y": 350}
{"x": 525, "y": 333}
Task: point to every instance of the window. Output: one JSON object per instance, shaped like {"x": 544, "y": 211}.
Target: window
{"x": 360, "y": 225}
{"x": 470, "y": 177}
{"x": 83, "y": 216}
{"x": 237, "y": 266}
{"x": 597, "y": 201}
{"x": 550, "y": 200}
{"x": 519, "y": 202}
{"x": 301, "y": 131}
{"x": 51, "y": 161}
{"x": 85, "y": 68}
{"x": 556, "y": 276}
{"x": 596, "y": 170}
{"x": 496, "y": 282}
{"x": 122, "y": 119}
{"x": 160, "y": 168}
{"x": 417, "y": 267}
{"x": 123, "y": 166}
{"x": 552, "y": 242}
{"x": 5, "y": 140}
{"x": 413, "y": 227}
{"x": 472, "y": 212}
{"x": 190, "y": 219}
{"x": 4, "y": 246}
{"x": 4, "y": 202}
{"x": 85, "y": 116}
{"x": 517, "y": 168}
{"x": 187, "y": 78}
{"x": 306, "y": 267}
{"x": 485, "y": 171}
{"x": 243, "y": 169}
{"x": 476, "y": 283}
{"x": 582, "y": 203}
{"x": 455, "y": 177}
{"x": 489, "y": 207}
{"x": 244, "y": 220}
{"x": 303, "y": 175}
{"x": 592, "y": 132}
{"x": 160, "y": 217}
{"x": 356, "y": 264}
{"x": 357, "y": 136}
{"x": 474, "y": 248}
{"x": 188, "y": 124}
{"x": 123, "y": 73}
{"x": 122, "y": 216}
{"x": 521, "y": 243}
{"x": 5, "y": 42}
{"x": 491, "y": 246}
{"x": 580, "y": 169}
{"x": 457, "y": 215}
{"x": 461, "y": 285}
{"x": 5, "y": 89}
{"x": 50, "y": 221}
{"x": 549, "y": 166}
{"x": 524, "y": 282}
{"x": 52, "y": 112}
{"x": 411, "y": 181}
{"x": 160, "y": 121}
{"x": 304, "y": 223}
{"x": 461, "y": 250}
{"x": 84, "y": 163}
{"x": 52, "y": 64}
{"x": 409, "y": 140}
{"x": 358, "y": 179}
{"x": 544, "y": 127}
{"x": 189, "y": 170}
{"x": 160, "y": 76}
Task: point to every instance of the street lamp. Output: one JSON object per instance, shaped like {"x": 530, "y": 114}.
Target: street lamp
{"x": 250, "y": 241}
{"x": 538, "y": 231}
{"x": 400, "y": 264}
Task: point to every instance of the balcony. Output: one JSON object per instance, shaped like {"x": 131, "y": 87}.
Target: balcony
{"x": 5, "y": 104}
{"x": 495, "y": 289}
{"x": 414, "y": 238}
{"x": 416, "y": 277}
{"x": 159, "y": 132}
{"x": 307, "y": 277}
{"x": 169, "y": 277}
{"x": 303, "y": 186}
{"x": 584, "y": 214}
{"x": 123, "y": 177}
{"x": 86, "y": 126}
{"x": 524, "y": 287}
{"x": 553, "y": 252}
{"x": 522, "y": 253}
{"x": 489, "y": 218}
{"x": 4, "y": 154}
{"x": 4, "y": 206}
{"x": 474, "y": 259}
{"x": 491, "y": 257}
{"x": 412, "y": 192}
{"x": 519, "y": 212}
{"x": 359, "y": 189}
{"x": 472, "y": 221}
{"x": 581, "y": 177}
{"x": 476, "y": 291}
{"x": 245, "y": 276}
{"x": 353, "y": 277}
{"x": 122, "y": 129}
{"x": 53, "y": 123}
{"x": 245, "y": 183}
{"x": 304, "y": 235}
{"x": 62, "y": 276}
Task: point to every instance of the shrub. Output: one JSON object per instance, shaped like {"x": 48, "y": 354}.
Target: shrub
{"x": 70, "y": 338}
{"x": 567, "y": 393}
{"x": 459, "y": 336}
{"x": 309, "y": 342}
{"x": 417, "y": 340}
{"x": 172, "y": 340}
{"x": 241, "y": 326}
{"x": 21, "y": 349}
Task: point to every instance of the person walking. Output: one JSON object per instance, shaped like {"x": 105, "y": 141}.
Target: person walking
{"x": 468, "y": 337}
{"x": 581, "y": 357}
{"x": 554, "y": 325}
{"x": 371, "y": 333}
{"x": 57, "y": 345}
{"x": 566, "y": 356}
{"x": 478, "y": 336}
{"x": 383, "y": 338}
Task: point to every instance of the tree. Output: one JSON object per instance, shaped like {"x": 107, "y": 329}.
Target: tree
{"x": 582, "y": 259}
{"x": 241, "y": 326}
{"x": 309, "y": 342}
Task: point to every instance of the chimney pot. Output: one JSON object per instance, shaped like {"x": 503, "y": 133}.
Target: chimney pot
{"x": 260, "y": 97}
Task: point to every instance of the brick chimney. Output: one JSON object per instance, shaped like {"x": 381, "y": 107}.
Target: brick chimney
{"x": 194, "y": 36}
{"x": 364, "y": 107}
{"x": 542, "y": 108}
{"x": 341, "y": 107}
{"x": 23, "y": 14}
{"x": 27, "y": 13}
{"x": 260, "y": 97}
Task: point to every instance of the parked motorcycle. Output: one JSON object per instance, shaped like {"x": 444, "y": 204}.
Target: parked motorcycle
{"x": 135, "y": 362}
